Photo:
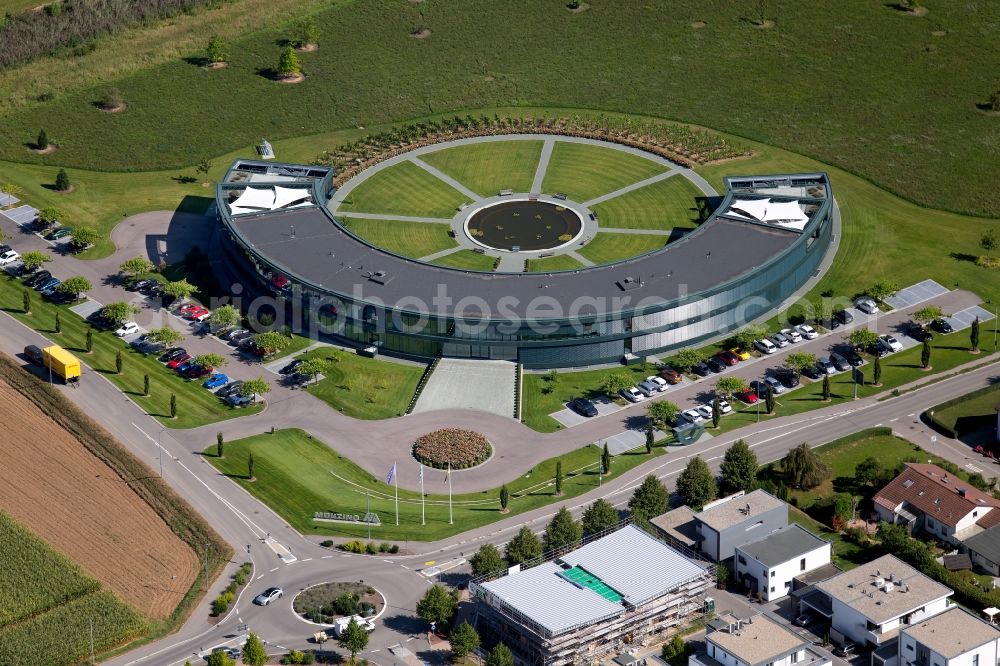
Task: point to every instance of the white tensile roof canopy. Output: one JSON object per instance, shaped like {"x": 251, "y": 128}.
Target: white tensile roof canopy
{"x": 765, "y": 210}
{"x": 257, "y": 199}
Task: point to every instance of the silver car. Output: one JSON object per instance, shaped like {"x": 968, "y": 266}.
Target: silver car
{"x": 267, "y": 596}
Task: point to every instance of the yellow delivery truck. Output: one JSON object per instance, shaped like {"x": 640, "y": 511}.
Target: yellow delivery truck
{"x": 61, "y": 363}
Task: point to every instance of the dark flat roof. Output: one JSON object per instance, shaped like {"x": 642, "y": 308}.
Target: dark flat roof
{"x": 786, "y": 544}
{"x": 325, "y": 255}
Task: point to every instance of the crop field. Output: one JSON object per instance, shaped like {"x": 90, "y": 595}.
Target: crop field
{"x": 48, "y": 596}
{"x": 64, "y": 494}
{"x": 584, "y": 172}
{"x": 665, "y": 205}
{"x": 404, "y": 189}
{"x": 561, "y": 262}
{"x": 466, "y": 259}
{"x": 488, "y": 168}
{"x": 608, "y": 246}
{"x": 298, "y": 475}
{"x": 410, "y": 239}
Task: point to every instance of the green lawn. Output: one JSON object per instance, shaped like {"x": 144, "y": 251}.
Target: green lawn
{"x": 196, "y": 406}
{"x": 846, "y": 555}
{"x": 466, "y": 259}
{"x": 404, "y": 189}
{"x": 584, "y": 172}
{"x": 665, "y": 205}
{"x": 543, "y": 396}
{"x": 365, "y": 388}
{"x": 410, "y": 239}
{"x": 972, "y": 414}
{"x": 608, "y": 247}
{"x": 488, "y": 168}
{"x": 298, "y": 475}
{"x": 562, "y": 262}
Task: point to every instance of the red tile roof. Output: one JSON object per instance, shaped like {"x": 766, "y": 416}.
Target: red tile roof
{"x": 941, "y": 495}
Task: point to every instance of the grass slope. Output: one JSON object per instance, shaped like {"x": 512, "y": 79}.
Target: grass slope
{"x": 46, "y": 596}
{"x": 195, "y": 405}
{"x": 298, "y": 475}
{"x": 410, "y": 239}
{"x": 404, "y": 189}
{"x": 365, "y": 388}
{"x": 584, "y": 172}
{"x": 608, "y": 247}
{"x": 562, "y": 262}
{"x": 665, "y": 205}
{"x": 488, "y": 168}
{"x": 972, "y": 414}
{"x": 466, "y": 259}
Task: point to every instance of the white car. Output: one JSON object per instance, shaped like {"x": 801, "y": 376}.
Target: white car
{"x": 126, "y": 329}
{"x": 792, "y": 334}
{"x": 807, "y": 331}
{"x": 693, "y": 415}
{"x": 893, "y": 343}
{"x": 705, "y": 411}
{"x": 866, "y": 305}
{"x": 632, "y": 394}
{"x": 780, "y": 340}
{"x": 765, "y": 346}
{"x": 9, "y": 257}
{"x": 724, "y": 407}
{"x": 661, "y": 383}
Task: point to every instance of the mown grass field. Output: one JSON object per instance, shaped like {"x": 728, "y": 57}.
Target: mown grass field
{"x": 298, "y": 475}
{"x": 466, "y": 259}
{"x": 665, "y": 205}
{"x": 562, "y": 262}
{"x": 365, "y": 388}
{"x": 972, "y": 413}
{"x": 488, "y": 168}
{"x": 404, "y": 189}
{"x": 608, "y": 246}
{"x": 195, "y": 405}
{"x": 48, "y": 596}
{"x": 584, "y": 172}
{"x": 410, "y": 239}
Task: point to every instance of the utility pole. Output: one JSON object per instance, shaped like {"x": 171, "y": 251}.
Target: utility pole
{"x": 368, "y": 510}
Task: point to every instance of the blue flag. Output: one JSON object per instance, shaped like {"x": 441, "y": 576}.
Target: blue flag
{"x": 392, "y": 474}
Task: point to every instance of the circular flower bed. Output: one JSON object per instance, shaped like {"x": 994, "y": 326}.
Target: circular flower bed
{"x": 452, "y": 446}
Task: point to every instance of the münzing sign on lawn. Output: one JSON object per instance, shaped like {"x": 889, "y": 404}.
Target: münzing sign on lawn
{"x": 368, "y": 518}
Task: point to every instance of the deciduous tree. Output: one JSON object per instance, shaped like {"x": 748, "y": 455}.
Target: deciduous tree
{"x": 438, "y": 605}
{"x": 487, "y": 561}
{"x": 224, "y": 316}
{"x": 164, "y": 335}
{"x": 217, "y": 50}
{"x": 870, "y": 473}
{"x": 179, "y": 289}
{"x": 271, "y": 342}
{"x": 500, "y": 655}
{"x": 254, "y": 653}
{"x": 75, "y": 285}
{"x": 136, "y": 266}
{"x": 798, "y": 362}
{"x": 314, "y": 367}
{"x": 686, "y": 359}
{"x": 599, "y": 516}
{"x": 650, "y": 499}
{"x": 739, "y": 467}
{"x": 561, "y": 532}
{"x": 804, "y": 468}
{"x": 882, "y": 289}
{"x": 727, "y": 387}
{"x": 464, "y": 640}
{"x": 928, "y": 314}
{"x": 119, "y": 312}
{"x": 862, "y": 338}
{"x": 33, "y": 259}
{"x": 615, "y": 382}
{"x": 696, "y": 484}
{"x": 354, "y": 638}
{"x": 662, "y": 413}
{"x": 83, "y": 237}
{"x": 523, "y": 547}
{"x": 211, "y": 360}
{"x": 288, "y": 63}
{"x": 746, "y": 336}
{"x": 254, "y": 388}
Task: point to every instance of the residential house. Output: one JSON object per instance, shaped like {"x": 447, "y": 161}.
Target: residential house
{"x": 953, "y": 637}
{"x": 767, "y": 566}
{"x": 755, "y": 641}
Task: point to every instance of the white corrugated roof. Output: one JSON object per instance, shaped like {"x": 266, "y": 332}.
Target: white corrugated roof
{"x": 632, "y": 562}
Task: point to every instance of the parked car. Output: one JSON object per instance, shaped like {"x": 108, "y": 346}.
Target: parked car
{"x": 201, "y": 315}
{"x": 217, "y": 380}
{"x": 138, "y": 285}
{"x": 740, "y": 354}
{"x": 671, "y": 376}
{"x": 724, "y": 407}
{"x": 45, "y": 284}
{"x": 758, "y": 388}
{"x": 232, "y": 653}
{"x": 701, "y": 369}
{"x": 128, "y": 328}
{"x": 197, "y": 372}
{"x": 8, "y": 257}
{"x": 825, "y": 366}
{"x": 749, "y": 397}
{"x": 775, "y": 385}
{"x": 693, "y": 416}
{"x": 881, "y": 348}
{"x": 583, "y": 407}
{"x": 229, "y": 389}
{"x": 728, "y": 357}
{"x": 280, "y": 282}
{"x": 893, "y": 344}
{"x": 61, "y": 232}
{"x": 60, "y": 297}
{"x": 171, "y": 354}
{"x": 632, "y": 394}
{"x": 237, "y": 400}
{"x": 792, "y": 334}
{"x": 918, "y": 332}
{"x": 813, "y": 372}
{"x": 804, "y": 620}
{"x": 661, "y": 383}
{"x": 843, "y": 317}
{"x": 854, "y": 358}
{"x": 839, "y": 362}
{"x": 807, "y": 331}
{"x": 96, "y": 318}
{"x": 789, "y": 378}
{"x": 780, "y": 339}
{"x": 765, "y": 346}
{"x": 648, "y": 388}
{"x": 178, "y": 361}
{"x": 194, "y": 313}
{"x": 37, "y": 277}
{"x": 942, "y": 326}
{"x": 34, "y": 354}
{"x": 237, "y": 335}
{"x": 291, "y": 367}
{"x": 50, "y": 287}
{"x": 715, "y": 364}
{"x": 268, "y": 595}
{"x": 866, "y": 305}
{"x": 705, "y": 411}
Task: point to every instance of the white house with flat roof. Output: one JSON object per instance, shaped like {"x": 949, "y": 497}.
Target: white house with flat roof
{"x": 873, "y": 602}
{"x": 732, "y": 521}
{"x": 953, "y": 637}
{"x": 767, "y": 566}
{"x": 754, "y": 641}
{"x": 586, "y": 605}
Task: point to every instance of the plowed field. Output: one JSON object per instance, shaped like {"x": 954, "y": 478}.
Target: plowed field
{"x": 53, "y": 486}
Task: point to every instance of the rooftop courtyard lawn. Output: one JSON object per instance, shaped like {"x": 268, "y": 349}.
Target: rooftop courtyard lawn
{"x": 404, "y": 189}
{"x": 665, "y": 205}
{"x": 608, "y": 247}
{"x": 365, "y": 388}
{"x": 584, "y": 172}
{"x": 562, "y": 262}
{"x": 298, "y": 475}
{"x": 488, "y": 168}
{"x": 466, "y": 259}
{"x": 410, "y": 239}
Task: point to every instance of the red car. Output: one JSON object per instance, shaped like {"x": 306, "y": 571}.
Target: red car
{"x": 197, "y": 372}
{"x": 180, "y": 360}
{"x": 749, "y": 397}
{"x": 728, "y": 357}
{"x": 280, "y": 281}
{"x": 195, "y": 312}
{"x": 187, "y": 307}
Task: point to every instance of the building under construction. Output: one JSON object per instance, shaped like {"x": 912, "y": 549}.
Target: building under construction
{"x": 622, "y": 589}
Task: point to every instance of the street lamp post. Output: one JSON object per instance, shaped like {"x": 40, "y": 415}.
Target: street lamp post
{"x": 159, "y": 448}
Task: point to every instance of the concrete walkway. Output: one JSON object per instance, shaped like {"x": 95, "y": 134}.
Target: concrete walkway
{"x": 442, "y": 176}
{"x": 543, "y": 164}
{"x": 630, "y": 188}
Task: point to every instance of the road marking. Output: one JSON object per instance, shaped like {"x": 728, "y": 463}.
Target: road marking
{"x": 893, "y": 420}
{"x": 274, "y": 569}
{"x": 259, "y": 577}
{"x": 387, "y": 561}
{"x": 911, "y": 413}
{"x": 309, "y": 559}
{"x": 405, "y": 567}
{"x": 973, "y": 468}
{"x": 326, "y": 557}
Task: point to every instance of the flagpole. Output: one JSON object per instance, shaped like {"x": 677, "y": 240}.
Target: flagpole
{"x": 450, "y": 521}
{"x": 423, "y": 515}
{"x": 395, "y": 481}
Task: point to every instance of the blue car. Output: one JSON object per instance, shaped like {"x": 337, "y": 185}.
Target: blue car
{"x": 185, "y": 366}
{"x": 51, "y": 282}
{"x": 215, "y": 381}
